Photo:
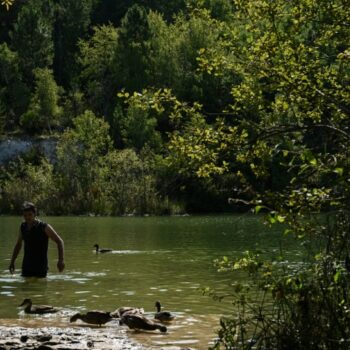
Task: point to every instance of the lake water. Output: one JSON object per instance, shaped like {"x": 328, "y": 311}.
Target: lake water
{"x": 154, "y": 258}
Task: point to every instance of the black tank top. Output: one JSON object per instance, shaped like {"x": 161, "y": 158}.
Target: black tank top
{"x": 36, "y": 243}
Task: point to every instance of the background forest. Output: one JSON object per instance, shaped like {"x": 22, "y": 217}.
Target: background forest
{"x": 63, "y": 64}
{"x": 152, "y": 103}
{"x": 193, "y": 106}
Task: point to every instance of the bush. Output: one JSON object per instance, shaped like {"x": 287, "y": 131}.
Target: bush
{"x": 131, "y": 184}
{"x": 28, "y": 182}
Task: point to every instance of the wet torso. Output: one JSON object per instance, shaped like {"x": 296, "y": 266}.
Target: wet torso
{"x": 35, "y": 261}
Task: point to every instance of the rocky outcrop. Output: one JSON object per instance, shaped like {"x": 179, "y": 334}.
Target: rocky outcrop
{"x": 11, "y": 148}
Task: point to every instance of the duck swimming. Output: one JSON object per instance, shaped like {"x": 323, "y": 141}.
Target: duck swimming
{"x": 93, "y": 317}
{"x": 140, "y": 322}
{"x": 37, "y": 309}
{"x": 102, "y": 250}
{"x": 127, "y": 310}
{"x": 163, "y": 316}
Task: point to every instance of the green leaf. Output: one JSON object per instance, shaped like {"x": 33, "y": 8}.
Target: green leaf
{"x": 258, "y": 208}
{"x": 339, "y": 171}
{"x": 337, "y": 276}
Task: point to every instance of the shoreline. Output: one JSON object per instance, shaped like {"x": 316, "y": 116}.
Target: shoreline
{"x": 58, "y": 338}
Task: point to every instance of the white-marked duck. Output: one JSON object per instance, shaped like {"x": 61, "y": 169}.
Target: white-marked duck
{"x": 127, "y": 310}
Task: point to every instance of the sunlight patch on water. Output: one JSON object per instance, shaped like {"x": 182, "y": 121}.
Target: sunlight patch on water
{"x": 9, "y": 294}
{"x": 94, "y": 274}
{"x": 80, "y": 280}
{"x": 128, "y": 292}
{"x": 12, "y": 278}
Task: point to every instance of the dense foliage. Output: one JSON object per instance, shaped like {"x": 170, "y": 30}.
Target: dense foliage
{"x": 207, "y": 103}
{"x": 62, "y": 59}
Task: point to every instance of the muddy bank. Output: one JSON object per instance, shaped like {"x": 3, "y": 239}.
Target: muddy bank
{"x": 56, "y": 338}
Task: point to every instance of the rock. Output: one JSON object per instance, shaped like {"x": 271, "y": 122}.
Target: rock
{"x": 43, "y": 347}
{"x": 11, "y": 343}
{"x": 24, "y": 338}
{"x": 44, "y": 337}
{"x": 67, "y": 338}
{"x": 13, "y": 147}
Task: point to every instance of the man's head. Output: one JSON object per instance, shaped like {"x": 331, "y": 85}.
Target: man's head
{"x": 29, "y": 211}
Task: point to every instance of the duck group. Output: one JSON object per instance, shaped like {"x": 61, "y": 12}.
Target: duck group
{"x": 132, "y": 317}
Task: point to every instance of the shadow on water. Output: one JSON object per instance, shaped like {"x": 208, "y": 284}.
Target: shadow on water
{"x": 167, "y": 258}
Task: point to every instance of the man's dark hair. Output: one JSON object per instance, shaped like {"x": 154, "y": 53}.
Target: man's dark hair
{"x": 29, "y": 206}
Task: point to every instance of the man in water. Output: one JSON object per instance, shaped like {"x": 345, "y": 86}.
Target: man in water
{"x": 35, "y": 234}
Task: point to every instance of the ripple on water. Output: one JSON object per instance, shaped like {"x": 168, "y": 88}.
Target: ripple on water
{"x": 127, "y": 252}
{"x": 80, "y": 280}
{"x": 141, "y": 251}
{"x": 7, "y": 293}
{"x": 177, "y": 342}
{"x": 11, "y": 279}
{"x": 94, "y": 274}
{"x": 128, "y": 292}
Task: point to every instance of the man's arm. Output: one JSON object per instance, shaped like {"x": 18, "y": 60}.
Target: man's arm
{"x": 60, "y": 246}
{"x": 15, "y": 253}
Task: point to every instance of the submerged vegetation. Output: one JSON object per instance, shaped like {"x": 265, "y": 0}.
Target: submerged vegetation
{"x": 162, "y": 107}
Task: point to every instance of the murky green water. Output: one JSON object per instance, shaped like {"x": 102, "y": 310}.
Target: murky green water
{"x": 165, "y": 258}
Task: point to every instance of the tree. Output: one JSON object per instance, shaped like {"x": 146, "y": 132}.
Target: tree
{"x": 138, "y": 128}
{"x": 132, "y": 54}
{"x": 43, "y": 111}
{"x": 110, "y": 11}
{"x": 31, "y": 37}
{"x": 72, "y": 21}
{"x": 81, "y": 164}
{"x": 131, "y": 184}
{"x": 285, "y": 141}
{"x": 36, "y": 182}
{"x": 14, "y": 94}
{"x": 174, "y": 62}
{"x": 98, "y": 74}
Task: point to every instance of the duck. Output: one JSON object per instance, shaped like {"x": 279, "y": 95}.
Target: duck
{"x": 139, "y": 322}
{"x": 162, "y": 316}
{"x": 102, "y": 250}
{"x": 118, "y": 313}
{"x": 93, "y": 317}
{"x": 29, "y": 308}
